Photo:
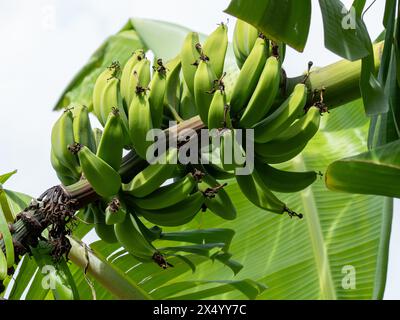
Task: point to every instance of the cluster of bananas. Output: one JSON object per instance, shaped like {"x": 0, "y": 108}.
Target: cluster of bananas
{"x": 131, "y": 100}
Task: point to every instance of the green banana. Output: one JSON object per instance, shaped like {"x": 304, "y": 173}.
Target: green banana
{"x": 140, "y": 123}
{"x": 190, "y": 55}
{"x": 97, "y": 133}
{"x": 244, "y": 38}
{"x": 231, "y": 151}
{"x": 66, "y": 176}
{"x": 87, "y": 214}
{"x": 216, "y": 198}
{"x": 215, "y": 47}
{"x": 218, "y": 115}
{"x": 204, "y": 83}
{"x": 3, "y": 266}
{"x": 105, "y": 92}
{"x": 172, "y": 91}
{"x": 282, "y": 117}
{"x": 187, "y": 107}
{"x": 218, "y": 172}
{"x": 128, "y": 79}
{"x": 297, "y": 135}
{"x": 248, "y": 76}
{"x": 264, "y": 94}
{"x": 284, "y": 181}
{"x": 176, "y": 215}
{"x": 257, "y": 193}
{"x": 129, "y": 235}
{"x": 152, "y": 177}
{"x": 157, "y": 92}
{"x": 82, "y": 128}
{"x": 104, "y": 180}
{"x": 115, "y": 212}
{"x": 104, "y": 231}
{"x": 168, "y": 195}
{"x": 62, "y": 136}
{"x": 112, "y": 141}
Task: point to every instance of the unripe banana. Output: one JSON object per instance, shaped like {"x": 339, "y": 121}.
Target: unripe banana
{"x": 140, "y": 123}
{"x": 115, "y": 212}
{"x": 66, "y": 176}
{"x": 284, "y": 181}
{"x": 97, "y": 133}
{"x": 264, "y": 95}
{"x": 87, "y": 214}
{"x": 83, "y": 133}
{"x": 218, "y": 172}
{"x": 172, "y": 93}
{"x": 216, "y": 199}
{"x": 190, "y": 55}
{"x": 248, "y": 76}
{"x": 232, "y": 153}
{"x": 112, "y": 141}
{"x": 187, "y": 107}
{"x": 282, "y": 117}
{"x": 129, "y": 235}
{"x": 296, "y": 135}
{"x": 244, "y": 38}
{"x": 104, "y": 231}
{"x": 218, "y": 115}
{"x": 176, "y": 215}
{"x": 215, "y": 48}
{"x": 105, "y": 92}
{"x": 258, "y": 193}
{"x": 157, "y": 93}
{"x": 104, "y": 180}
{"x": 152, "y": 177}
{"x": 168, "y": 195}
{"x": 128, "y": 77}
{"x": 204, "y": 82}
{"x": 62, "y": 135}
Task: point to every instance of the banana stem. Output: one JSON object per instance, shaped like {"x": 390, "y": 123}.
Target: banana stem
{"x": 109, "y": 277}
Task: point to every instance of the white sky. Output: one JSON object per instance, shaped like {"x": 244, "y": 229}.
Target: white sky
{"x": 45, "y": 42}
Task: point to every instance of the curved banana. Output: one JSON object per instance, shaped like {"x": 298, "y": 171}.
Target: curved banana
{"x": 168, "y": 195}
{"x": 115, "y": 212}
{"x": 257, "y": 193}
{"x": 215, "y": 47}
{"x": 152, "y": 177}
{"x": 112, "y": 141}
{"x": 103, "y": 230}
{"x": 217, "y": 199}
{"x": 204, "y": 82}
{"x": 264, "y": 94}
{"x": 129, "y": 235}
{"x": 248, "y": 76}
{"x": 66, "y": 176}
{"x": 190, "y": 55}
{"x": 232, "y": 153}
{"x": 105, "y": 92}
{"x": 176, "y": 215}
{"x": 284, "y": 181}
{"x": 282, "y": 117}
{"x": 87, "y": 213}
{"x": 157, "y": 93}
{"x": 218, "y": 115}
{"x": 187, "y": 107}
{"x": 62, "y": 136}
{"x": 244, "y": 38}
{"x": 218, "y": 172}
{"x": 293, "y": 138}
{"x": 173, "y": 91}
{"x": 128, "y": 77}
{"x": 140, "y": 123}
{"x": 83, "y": 132}
{"x": 104, "y": 180}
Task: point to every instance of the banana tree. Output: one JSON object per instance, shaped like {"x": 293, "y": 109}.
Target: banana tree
{"x": 339, "y": 250}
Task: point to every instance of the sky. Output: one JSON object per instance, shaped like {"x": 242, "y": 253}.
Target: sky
{"x": 45, "y": 42}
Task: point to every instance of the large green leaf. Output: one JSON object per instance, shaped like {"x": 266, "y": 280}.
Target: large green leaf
{"x": 373, "y": 172}
{"x": 286, "y": 20}
{"x": 345, "y": 34}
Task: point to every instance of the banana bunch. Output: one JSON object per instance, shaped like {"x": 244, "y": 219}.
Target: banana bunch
{"x": 131, "y": 100}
